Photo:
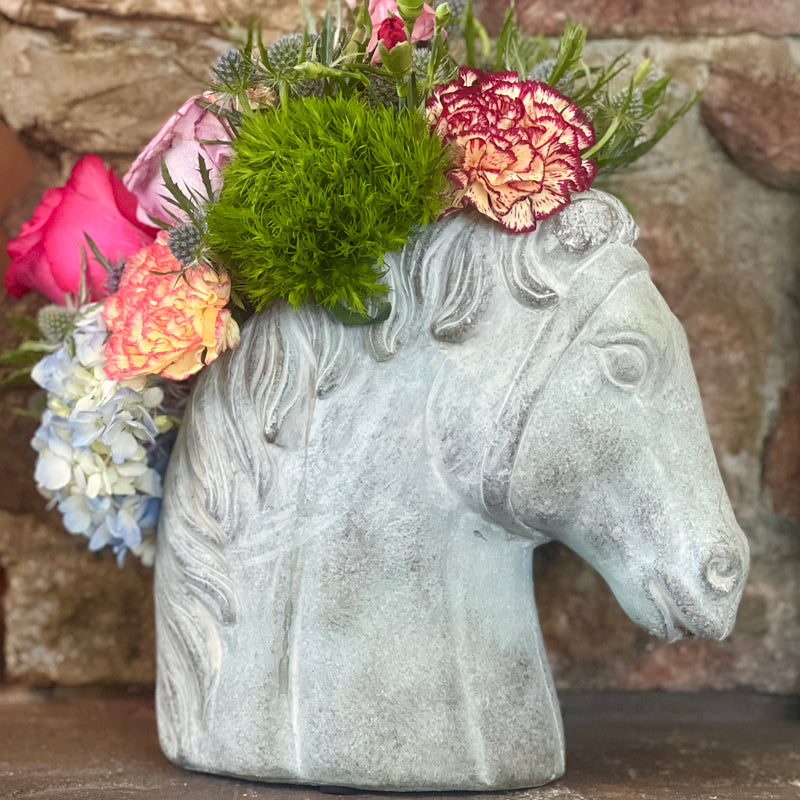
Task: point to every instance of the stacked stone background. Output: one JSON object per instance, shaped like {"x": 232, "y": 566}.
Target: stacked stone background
{"x": 718, "y": 203}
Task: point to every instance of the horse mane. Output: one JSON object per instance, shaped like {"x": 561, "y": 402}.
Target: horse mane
{"x": 440, "y": 281}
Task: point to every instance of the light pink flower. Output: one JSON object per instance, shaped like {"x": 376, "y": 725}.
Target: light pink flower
{"x": 516, "y": 146}
{"x": 190, "y": 132}
{"x": 47, "y": 254}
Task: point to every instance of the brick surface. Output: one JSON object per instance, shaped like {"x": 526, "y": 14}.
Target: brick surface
{"x": 68, "y": 13}
{"x": 782, "y": 461}
{"x": 636, "y": 18}
{"x": 85, "y": 75}
{"x": 752, "y": 106}
{"x": 72, "y": 617}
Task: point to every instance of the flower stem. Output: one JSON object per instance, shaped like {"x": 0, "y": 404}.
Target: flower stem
{"x": 610, "y": 131}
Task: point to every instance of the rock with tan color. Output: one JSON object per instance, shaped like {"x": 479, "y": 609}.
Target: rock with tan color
{"x": 752, "y": 106}
{"x": 636, "y": 18}
{"x": 71, "y": 617}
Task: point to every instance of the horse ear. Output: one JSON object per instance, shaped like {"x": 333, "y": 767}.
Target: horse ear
{"x": 567, "y": 240}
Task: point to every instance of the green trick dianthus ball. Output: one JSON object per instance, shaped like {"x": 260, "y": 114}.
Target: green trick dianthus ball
{"x": 316, "y": 192}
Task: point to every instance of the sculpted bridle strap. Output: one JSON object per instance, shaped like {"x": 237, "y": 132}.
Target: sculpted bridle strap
{"x": 594, "y": 282}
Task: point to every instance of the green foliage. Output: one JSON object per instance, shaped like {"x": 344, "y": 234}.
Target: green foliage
{"x": 27, "y": 325}
{"x": 569, "y": 53}
{"x": 476, "y": 39}
{"x": 318, "y": 61}
{"x": 621, "y": 117}
{"x": 316, "y": 192}
{"x": 16, "y": 364}
{"x": 333, "y": 164}
{"x": 515, "y": 51}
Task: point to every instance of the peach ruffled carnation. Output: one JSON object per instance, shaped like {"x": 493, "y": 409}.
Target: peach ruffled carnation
{"x": 516, "y": 146}
{"x": 162, "y": 323}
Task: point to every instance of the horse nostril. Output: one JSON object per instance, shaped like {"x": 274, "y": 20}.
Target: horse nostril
{"x": 723, "y": 572}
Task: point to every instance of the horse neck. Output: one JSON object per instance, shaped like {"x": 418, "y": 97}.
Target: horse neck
{"x": 375, "y": 424}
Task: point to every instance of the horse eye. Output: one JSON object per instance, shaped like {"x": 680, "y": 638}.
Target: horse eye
{"x": 624, "y": 363}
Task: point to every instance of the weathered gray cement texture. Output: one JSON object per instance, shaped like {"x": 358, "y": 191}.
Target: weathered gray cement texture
{"x": 389, "y": 639}
{"x": 722, "y": 243}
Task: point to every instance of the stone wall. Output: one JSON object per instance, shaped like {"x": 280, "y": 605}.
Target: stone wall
{"x": 718, "y": 203}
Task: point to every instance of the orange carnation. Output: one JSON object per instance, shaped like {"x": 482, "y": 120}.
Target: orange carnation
{"x": 516, "y": 146}
{"x": 162, "y": 323}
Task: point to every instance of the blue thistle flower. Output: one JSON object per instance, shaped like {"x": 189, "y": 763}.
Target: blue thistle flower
{"x": 286, "y": 53}
{"x": 186, "y": 243}
{"x": 233, "y": 69}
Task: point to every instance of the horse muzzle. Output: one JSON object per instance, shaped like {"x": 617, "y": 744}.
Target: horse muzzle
{"x": 709, "y": 608}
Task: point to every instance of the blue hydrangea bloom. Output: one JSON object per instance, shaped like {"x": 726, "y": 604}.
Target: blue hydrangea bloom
{"x": 103, "y": 445}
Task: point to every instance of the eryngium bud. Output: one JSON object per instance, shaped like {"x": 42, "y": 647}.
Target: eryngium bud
{"x": 185, "y": 242}
{"x": 233, "y": 69}
{"x": 633, "y": 103}
{"x": 541, "y": 72}
{"x": 287, "y": 52}
{"x": 54, "y": 323}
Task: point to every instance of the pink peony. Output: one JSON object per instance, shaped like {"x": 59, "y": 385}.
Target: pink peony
{"x": 163, "y": 323}
{"x": 46, "y": 256}
{"x": 516, "y": 146}
{"x": 186, "y": 135}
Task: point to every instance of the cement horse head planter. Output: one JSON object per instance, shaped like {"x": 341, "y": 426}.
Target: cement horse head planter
{"x": 344, "y": 578}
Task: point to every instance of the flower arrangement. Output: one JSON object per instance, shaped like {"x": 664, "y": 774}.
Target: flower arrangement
{"x": 300, "y": 165}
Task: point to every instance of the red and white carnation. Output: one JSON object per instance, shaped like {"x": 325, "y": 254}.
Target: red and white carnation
{"x": 516, "y": 146}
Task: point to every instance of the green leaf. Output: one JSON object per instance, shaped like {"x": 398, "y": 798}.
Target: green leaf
{"x": 590, "y": 82}
{"x": 504, "y": 40}
{"x": 26, "y": 353}
{"x": 515, "y": 51}
{"x": 25, "y": 324}
{"x": 189, "y": 204}
{"x": 624, "y": 156}
{"x": 570, "y": 51}
{"x": 205, "y": 176}
{"x": 653, "y": 96}
{"x": 228, "y": 114}
{"x": 474, "y": 33}
{"x": 17, "y": 378}
{"x": 99, "y": 257}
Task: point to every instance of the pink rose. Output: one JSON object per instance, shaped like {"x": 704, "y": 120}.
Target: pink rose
{"x": 164, "y": 323}
{"x": 46, "y": 256}
{"x": 183, "y": 138}
{"x": 516, "y": 146}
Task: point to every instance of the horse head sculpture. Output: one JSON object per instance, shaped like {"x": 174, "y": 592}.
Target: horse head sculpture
{"x": 344, "y": 580}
